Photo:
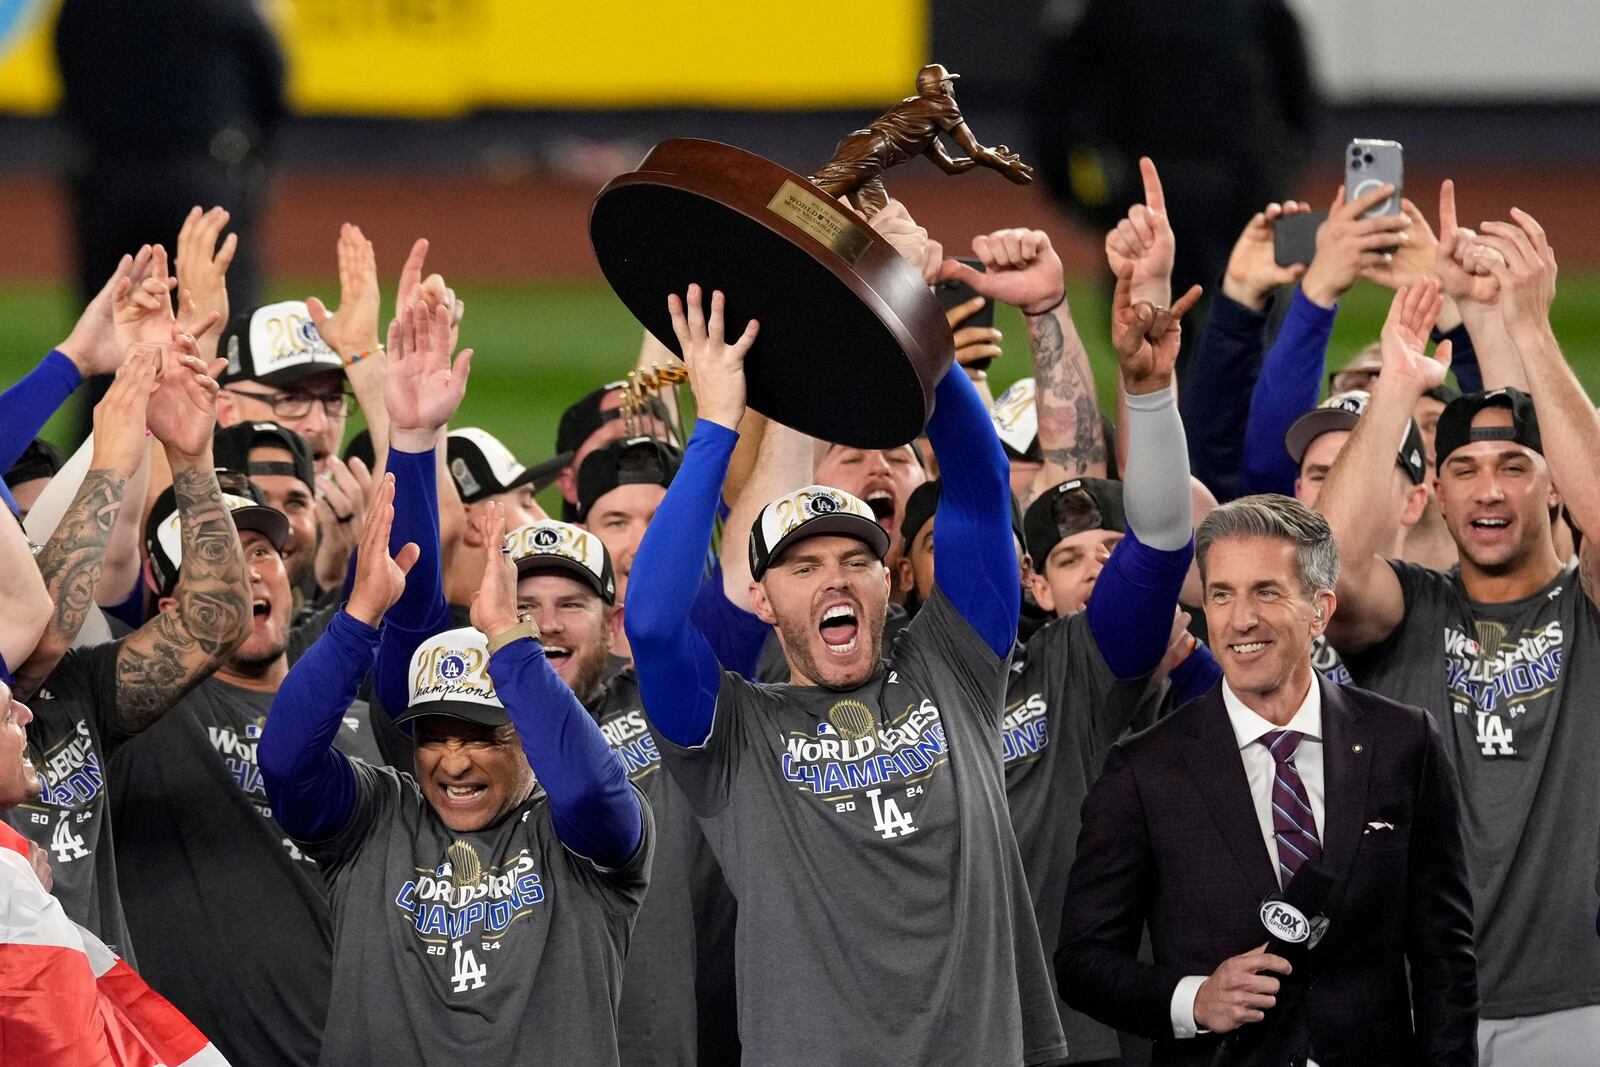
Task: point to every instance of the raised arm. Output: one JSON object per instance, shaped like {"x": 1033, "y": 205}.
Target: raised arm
{"x": 309, "y": 782}
{"x": 1371, "y": 603}
{"x": 1469, "y": 284}
{"x": 202, "y": 267}
{"x": 1023, "y": 269}
{"x": 423, "y": 389}
{"x": 1131, "y": 616}
{"x": 596, "y": 812}
{"x": 352, "y": 330}
{"x": 1525, "y": 267}
{"x": 74, "y": 557}
{"x": 182, "y": 645}
{"x": 678, "y": 672}
{"x": 27, "y": 602}
{"x": 1225, "y": 363}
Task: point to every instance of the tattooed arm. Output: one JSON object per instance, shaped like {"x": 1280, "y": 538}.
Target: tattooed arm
{"x": 181, "y": 646}
{"x": 71, "y": 563}
{"x": 1070, "y": 438}
{"x": 1022, "y": 269}
{"x": 74, "y": 558}
{"x": 27, "y": 605}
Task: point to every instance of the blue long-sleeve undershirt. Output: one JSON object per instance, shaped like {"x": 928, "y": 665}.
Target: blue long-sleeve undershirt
{"x": 1132, "y": 605}
{"x": 974, "y": 558}
{"x": 29, "y": 404}
{"x": 1463, "y": 358}
{"x": 421, "y": 610}
{"x": 309, "y": 783}
{"x": 595, "y": 811}
{"x": 1288, "y": 387}
{"x": 1195, "y": 676}
{"x": 311, "y": 786}
{"x": 1215, "y": 399}
{"x": 678, "y": 672}
{"x": 736, "y": 636}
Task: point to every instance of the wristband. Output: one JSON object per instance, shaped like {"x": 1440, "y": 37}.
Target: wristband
{"x": 375, "y": 350}
{"x": 525, "y": 627}
{"x": 1035, "y": 314}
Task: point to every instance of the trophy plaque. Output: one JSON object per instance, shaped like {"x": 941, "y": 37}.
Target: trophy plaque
{"x": 852, "y": 340}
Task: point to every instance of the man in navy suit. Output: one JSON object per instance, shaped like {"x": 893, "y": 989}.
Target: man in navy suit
{"x": 1199, "y": 827}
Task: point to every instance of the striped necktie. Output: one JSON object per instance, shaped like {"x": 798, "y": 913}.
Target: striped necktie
{"x": 1293, "y": 825}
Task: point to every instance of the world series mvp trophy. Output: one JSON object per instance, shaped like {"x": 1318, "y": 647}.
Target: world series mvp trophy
{"x": 852, "y": 340}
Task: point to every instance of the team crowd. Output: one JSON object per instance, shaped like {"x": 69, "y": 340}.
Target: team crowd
{"x": 1239, "y": 728}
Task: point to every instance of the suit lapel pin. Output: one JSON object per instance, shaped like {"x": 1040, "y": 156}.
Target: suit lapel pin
{"x": 1355, "y": 748}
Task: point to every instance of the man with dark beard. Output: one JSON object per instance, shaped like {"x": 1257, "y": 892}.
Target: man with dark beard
{"x": 680, "y": 959}
{"x": 230, "y": 919}
{"x": 859, "y": 813}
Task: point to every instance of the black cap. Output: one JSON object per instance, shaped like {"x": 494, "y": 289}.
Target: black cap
{"x": 40, "y": 459}
{"x": 627, "y": 461}
{"x": 924, "y": 501}
{"x": 482, "y": 466}
{"x": 1072, "y": 508}
{"x": 277, "y": 345}
{"x": 163, "y": 539}
{"x": 232, "y": 447}
{"x": 1442, "y": 393}
{"x": 1455, "y": 422}
{"x": 1342, "y": 411}
{"x": 585, "y": 417}
{"x": 360, "y": 447}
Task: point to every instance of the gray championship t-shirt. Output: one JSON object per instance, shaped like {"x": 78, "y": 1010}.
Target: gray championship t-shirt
{"x": 69, "y": 819}
{"x": 1513, "y": 686}
{"x": 231, "y": 919}
{"x": 1064, "y": 711}
{"x": 883, "y": 912}
{"x": 498, "y": 946}
{"x": 677, "y": 990}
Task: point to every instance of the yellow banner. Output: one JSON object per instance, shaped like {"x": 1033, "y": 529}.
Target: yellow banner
{"x": 437, "y": 58}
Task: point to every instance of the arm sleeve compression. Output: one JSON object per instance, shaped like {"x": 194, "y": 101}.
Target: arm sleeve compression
{"x": 309, "y": 782}
{"x": 421, "y": 610}
{"x": 974, "y": 559}
{"x": 1290, "y": 382}
{"x": 30, "y": 403}
{"x": 678, "y": 671}
{"x": 595, "y": 811}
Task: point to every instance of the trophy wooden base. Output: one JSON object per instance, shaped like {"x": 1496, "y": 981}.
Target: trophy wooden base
{"x": 852, "y": 340}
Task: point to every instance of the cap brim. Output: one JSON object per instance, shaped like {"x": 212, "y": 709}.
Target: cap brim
{"x": 543, "y": 475}
{"x": 482, "y": 714}
{"x": 269, "y": 522}
{"x": 1312, "y": 425}
{"x": 279, "y": 379}
{"x": 841, "y": 523}
{"x": 548, "y": 562}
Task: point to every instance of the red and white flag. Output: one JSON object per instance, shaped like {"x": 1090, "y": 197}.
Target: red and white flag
{"x": 68, "y": 1001}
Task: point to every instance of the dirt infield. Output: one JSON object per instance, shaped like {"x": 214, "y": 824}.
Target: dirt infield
{"x": 536, "y": 229}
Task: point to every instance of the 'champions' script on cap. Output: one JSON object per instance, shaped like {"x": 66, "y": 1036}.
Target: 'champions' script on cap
{"x": 453, "y": 667}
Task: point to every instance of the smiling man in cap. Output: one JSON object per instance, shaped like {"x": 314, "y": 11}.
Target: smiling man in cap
{"x": 532, "y": 885}
{"x": 280, "y": 370}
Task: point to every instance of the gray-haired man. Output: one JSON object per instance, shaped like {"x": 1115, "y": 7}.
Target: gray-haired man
{"x": 1210, "y": 827}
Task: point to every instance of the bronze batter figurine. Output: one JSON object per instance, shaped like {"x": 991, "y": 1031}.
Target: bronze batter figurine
{"x": 912, "y": 128}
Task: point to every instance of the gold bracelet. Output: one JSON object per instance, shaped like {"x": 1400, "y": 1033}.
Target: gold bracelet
{"x": 525, "y": 627}
{"x": 375, "y": 350}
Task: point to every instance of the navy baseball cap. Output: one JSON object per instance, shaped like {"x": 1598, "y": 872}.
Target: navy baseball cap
{"x": 232, "y": 447}
{"x": 1342, "y": 411}
{"x": 627, "y": 461}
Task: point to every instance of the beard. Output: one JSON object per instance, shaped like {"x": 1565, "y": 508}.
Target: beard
{"x": 798, "y": 637}
{"x": 257, "y": 655}
{"x": 587, "y": 671}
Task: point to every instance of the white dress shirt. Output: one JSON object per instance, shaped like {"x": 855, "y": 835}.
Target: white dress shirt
{"x": 1260, "y": 770}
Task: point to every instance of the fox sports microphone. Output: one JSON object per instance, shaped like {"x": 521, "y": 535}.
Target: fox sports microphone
{"x": 1294, "y": 924}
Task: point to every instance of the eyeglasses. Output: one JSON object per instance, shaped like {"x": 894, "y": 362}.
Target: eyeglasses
{"x": 298, "y": 405}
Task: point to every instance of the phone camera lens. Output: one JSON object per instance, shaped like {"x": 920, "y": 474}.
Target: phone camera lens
{"x": 1355, "y": 164}
{"x": 1367, "y": 158}
{"x": 1356, "y": 152}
